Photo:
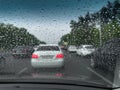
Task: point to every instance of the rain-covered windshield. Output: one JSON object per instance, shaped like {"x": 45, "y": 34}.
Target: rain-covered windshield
{"x": 69, "y": 24}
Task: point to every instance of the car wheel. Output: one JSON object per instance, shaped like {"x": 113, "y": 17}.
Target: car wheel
{"x": 82, "y": 56}
{"x": 88, "y": 56}
{"x": 85, "y": 56}
{"x": 77, "y": 55}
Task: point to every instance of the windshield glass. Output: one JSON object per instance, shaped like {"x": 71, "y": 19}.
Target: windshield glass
{"x": 48, "y": 48}
{"x": 89, "y": 47}
{"x": 72, "y": 47}
{"x": 61, "y": 27}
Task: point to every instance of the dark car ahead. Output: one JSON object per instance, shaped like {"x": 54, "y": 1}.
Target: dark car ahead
{"x": 2, "y": 62}
{"x": 107, "y": 56}
{"x": 22, "y": 51}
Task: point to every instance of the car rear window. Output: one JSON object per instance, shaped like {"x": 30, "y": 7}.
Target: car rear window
{"x": 72, "y": 47}
{"x": 19, "y": 47}
{"x": 89, "y": 47}
{"x": 48, "y": 48}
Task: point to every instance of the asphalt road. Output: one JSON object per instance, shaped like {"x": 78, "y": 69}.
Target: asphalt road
{"x": 75, "y": 67}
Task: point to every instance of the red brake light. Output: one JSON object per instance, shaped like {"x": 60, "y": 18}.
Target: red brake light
{"x": 59, "y": 56}
{"x": 35, "y": 56}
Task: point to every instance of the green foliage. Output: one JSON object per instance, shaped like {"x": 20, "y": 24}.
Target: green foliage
{"x": 84, "y": 31}
{"x": 14, "y": 36}
{"x": 65, "y": 38}
{"x": 111, "y": 30}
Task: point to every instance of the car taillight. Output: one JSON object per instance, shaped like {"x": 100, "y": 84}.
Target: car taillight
{"x": 59, "y": 56}
{"x": 35, "y": 56}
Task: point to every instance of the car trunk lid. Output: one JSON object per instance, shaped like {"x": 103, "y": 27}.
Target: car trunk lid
{"x": 47, "y": 54}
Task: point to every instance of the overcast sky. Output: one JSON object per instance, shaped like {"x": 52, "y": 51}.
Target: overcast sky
{"x": 48, "y": 20}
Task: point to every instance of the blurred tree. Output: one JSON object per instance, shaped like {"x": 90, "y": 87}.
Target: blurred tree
{"x": 14, "y": 36}
{"x": 84, "y": 31}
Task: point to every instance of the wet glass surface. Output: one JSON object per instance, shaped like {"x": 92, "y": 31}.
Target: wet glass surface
{"x": 27, "y": 24}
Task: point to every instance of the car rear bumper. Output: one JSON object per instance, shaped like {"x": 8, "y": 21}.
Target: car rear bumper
{"x": 84, "y": 53}
{"x": 47, "y": 63}
{"x": 72, "y": 51}
{"x": 79, "y": 53}
{"x": 20, "y": 54}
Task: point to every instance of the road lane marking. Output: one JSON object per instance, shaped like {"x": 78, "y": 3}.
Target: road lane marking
{"x": 21, "y": 71}
{"x": 102, "y": 77}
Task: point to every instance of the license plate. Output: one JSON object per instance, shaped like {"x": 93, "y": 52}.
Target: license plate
{"x": 47, "y": 57}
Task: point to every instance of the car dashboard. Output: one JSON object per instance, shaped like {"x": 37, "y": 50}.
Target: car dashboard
{"x": 47, "y": 87}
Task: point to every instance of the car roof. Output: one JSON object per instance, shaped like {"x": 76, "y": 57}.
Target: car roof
{"x": 48, "y": 45}
{"x": 87, "y": 45}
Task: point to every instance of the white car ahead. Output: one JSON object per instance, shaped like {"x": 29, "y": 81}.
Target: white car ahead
{"x": 85, "y": 50}
{"x": 48, "y": 55}
{"x": 72, "y": 48}
{"x": 35, "y": 47}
